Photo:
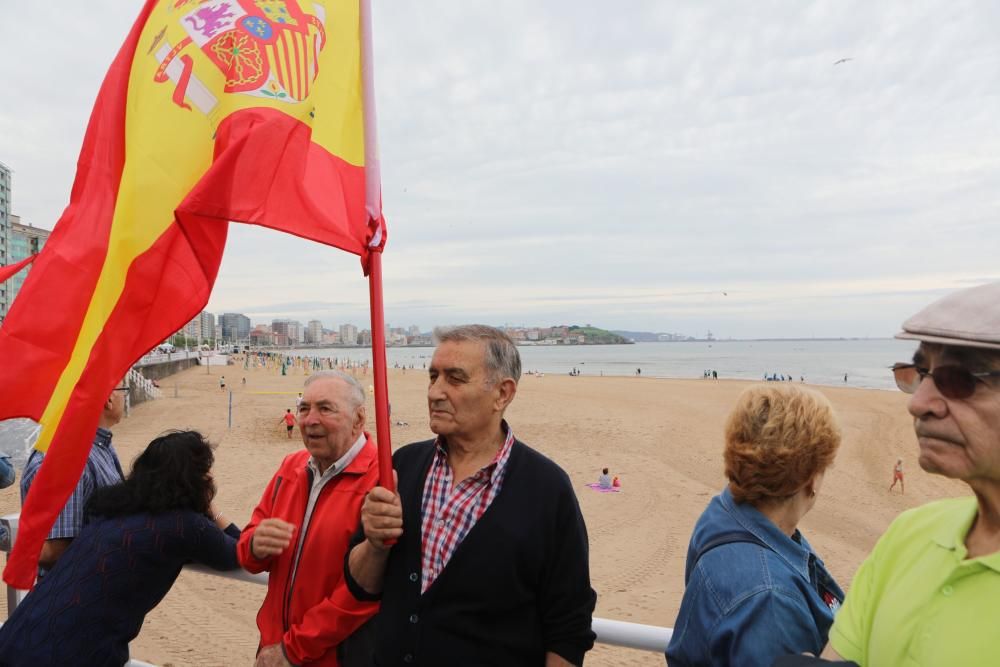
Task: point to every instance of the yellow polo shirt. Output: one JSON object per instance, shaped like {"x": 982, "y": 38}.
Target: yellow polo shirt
{"x": 916, "y": 600}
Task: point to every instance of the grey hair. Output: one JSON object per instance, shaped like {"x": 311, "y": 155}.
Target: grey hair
{"x": 502, "y": 357}
{"x": 357, "y": 391}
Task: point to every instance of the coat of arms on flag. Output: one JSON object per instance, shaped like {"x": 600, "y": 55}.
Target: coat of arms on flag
{"x": 264, "y": 48}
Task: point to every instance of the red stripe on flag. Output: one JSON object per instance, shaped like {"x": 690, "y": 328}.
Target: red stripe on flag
{"x": 166, "y": 285}
{"x": 36, "y": 342}
{"x": 7, "y": 272}
{"x": 305, "y": 190}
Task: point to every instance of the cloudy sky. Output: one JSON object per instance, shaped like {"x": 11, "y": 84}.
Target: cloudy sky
{"x": 658, "y": 166}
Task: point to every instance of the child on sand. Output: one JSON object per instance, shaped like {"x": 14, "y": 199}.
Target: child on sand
{"x": 605, "y": 479}
{"x": 897, "y": 476}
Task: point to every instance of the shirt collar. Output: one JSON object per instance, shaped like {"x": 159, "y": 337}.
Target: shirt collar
{"x": 103, "y": 437}
{"x": 951, "y": 536}
{"x": 796, "y": 553}
{"x": 341, "y": 463}
{"x": 499, "y": 460}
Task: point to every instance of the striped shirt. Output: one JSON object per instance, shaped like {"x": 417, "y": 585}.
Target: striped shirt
{"x": 449, "y": 511}
{"x": 102, "y": 469}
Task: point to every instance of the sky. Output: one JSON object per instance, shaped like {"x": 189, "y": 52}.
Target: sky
{"x": 650, "y": 166}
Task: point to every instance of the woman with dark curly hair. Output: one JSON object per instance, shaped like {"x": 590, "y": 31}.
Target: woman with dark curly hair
{"x": 755, "y": 589}
{"x": 137, "y": 536}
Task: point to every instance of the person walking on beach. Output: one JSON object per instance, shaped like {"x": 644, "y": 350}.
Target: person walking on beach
{"x": 103, "y": 469}
{"x": 927, "y": 594}
{"x": 897, "y": 476}
{"x": 289, "y": 420}
{"x": 300, "y": 529}
{"x": 490, "y": 564}
{"x": 222, "y": 382}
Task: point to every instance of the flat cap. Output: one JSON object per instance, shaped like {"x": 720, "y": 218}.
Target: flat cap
{"x": 967, "y": 318}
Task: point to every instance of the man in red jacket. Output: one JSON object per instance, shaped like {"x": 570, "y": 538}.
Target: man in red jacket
{"x": 300, "y": 529}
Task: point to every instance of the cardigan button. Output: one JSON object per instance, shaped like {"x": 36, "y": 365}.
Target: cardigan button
{"x": 414, "y": 618}
{"x": 414, "y": 577}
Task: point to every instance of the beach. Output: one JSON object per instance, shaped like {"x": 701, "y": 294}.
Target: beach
{"x": 662, "y": 438}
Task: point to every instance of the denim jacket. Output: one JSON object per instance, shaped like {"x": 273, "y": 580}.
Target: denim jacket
{"x": 745, "y": 603}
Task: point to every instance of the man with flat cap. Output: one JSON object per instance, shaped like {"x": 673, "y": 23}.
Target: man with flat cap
{"x": 929, "y": 592}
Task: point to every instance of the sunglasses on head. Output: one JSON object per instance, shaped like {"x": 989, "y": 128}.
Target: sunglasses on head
{"x": 952, "y": 381}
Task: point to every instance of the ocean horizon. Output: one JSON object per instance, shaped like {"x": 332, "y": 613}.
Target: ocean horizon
{"x": 865, "y": 361}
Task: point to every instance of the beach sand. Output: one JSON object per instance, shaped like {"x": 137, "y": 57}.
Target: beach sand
{"x": 663, "y": 438}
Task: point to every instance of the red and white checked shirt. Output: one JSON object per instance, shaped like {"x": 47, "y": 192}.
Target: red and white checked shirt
{"x": 449, "y": 512}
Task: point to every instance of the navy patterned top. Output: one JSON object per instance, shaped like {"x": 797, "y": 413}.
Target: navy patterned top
{"x": 93, "y": 602}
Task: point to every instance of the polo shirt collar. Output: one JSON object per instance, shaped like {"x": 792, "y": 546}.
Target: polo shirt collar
{"x": 951, "y": 536}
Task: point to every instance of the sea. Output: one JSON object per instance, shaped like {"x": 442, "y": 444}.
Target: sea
{"x": 841, "y": 362}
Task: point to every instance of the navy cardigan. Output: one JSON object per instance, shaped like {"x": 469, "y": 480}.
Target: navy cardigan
{"x": 517, "y": 586}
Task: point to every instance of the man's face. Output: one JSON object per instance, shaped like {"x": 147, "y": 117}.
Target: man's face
{"x": 958, "y": 438}
{"x": 329, "y": 420}
{"x": 462, "y": 400}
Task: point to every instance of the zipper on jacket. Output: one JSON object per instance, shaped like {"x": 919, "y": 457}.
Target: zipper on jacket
{"x": 277, "y": 485}
{"x": 294, "y": 572}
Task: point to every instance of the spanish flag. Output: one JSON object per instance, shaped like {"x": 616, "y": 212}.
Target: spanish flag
{"x": 213, "y": 111}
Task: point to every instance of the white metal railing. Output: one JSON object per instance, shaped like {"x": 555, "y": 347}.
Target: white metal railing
{"x": 138, "y": 382}
{"x": 616, "y": 633}
{"x": 161, "y": 357}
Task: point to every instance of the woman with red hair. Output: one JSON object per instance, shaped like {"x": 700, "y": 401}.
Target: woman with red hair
{"x": 755, "y": 589}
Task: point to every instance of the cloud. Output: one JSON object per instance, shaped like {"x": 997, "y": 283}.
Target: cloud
{"x": 568, "y": 161}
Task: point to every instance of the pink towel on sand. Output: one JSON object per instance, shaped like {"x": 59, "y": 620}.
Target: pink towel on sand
{"x": 597, "y": 487}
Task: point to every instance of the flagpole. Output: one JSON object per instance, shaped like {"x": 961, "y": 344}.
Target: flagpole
{"x": 373, "y": 204}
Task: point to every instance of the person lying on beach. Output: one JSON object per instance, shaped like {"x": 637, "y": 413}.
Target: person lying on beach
{"x": 927, "y": 594}
{"x": 754, "y": 588}
{"x": 137, "y": 536}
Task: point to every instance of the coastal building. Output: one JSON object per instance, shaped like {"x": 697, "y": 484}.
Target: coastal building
{"x": 292, "y": 330}
{"x": 365, "y": 337}
{"x": 314, "y": 331}
{"x": 201, "y": 328}
{"x": 235, "y": 326}
{"x": 261, "y": 335}
{"x": 23, "y": 241}
{"x": 348, "y": 334}
{"x": 5, "y": 205}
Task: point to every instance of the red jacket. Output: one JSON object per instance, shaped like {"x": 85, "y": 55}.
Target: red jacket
{"x": 320, "y": 611}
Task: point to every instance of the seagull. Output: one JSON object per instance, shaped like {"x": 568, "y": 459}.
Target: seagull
{"x": 842, "y": 60}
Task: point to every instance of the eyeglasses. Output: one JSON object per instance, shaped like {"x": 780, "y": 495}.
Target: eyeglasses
{"x": 953, "y": 382}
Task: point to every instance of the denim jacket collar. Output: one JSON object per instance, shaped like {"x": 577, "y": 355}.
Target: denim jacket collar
{"x": 796, "y": 554}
